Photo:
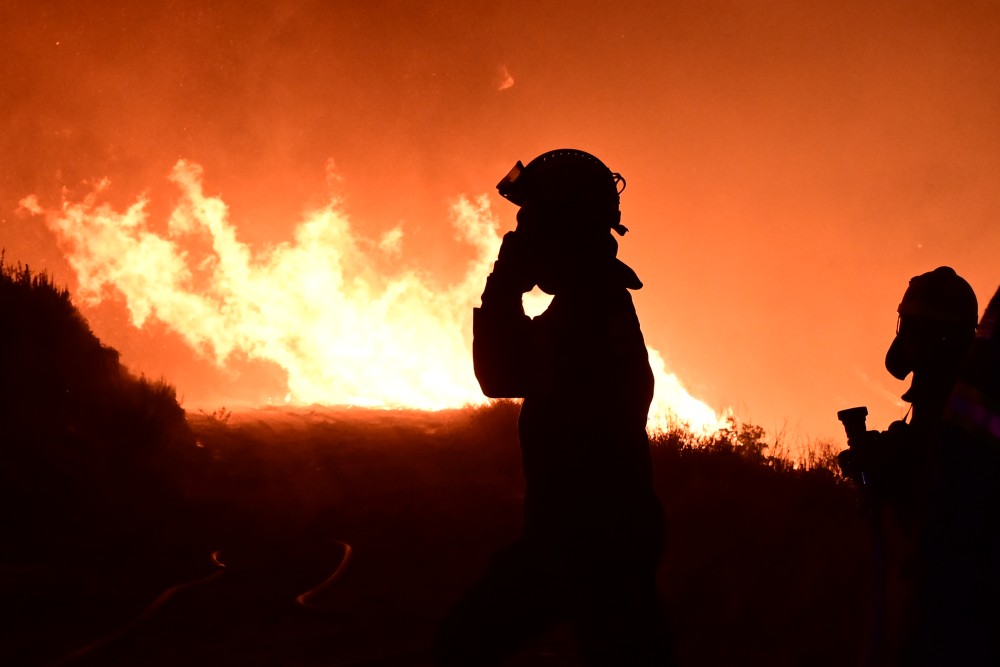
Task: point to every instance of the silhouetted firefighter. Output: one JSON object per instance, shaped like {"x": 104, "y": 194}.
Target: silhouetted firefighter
{"x": 593, "y": 528}
{"x": 956, "y": 620}
{"x": 908, "y": 471}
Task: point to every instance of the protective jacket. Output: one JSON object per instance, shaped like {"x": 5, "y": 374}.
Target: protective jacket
{"x": 583, "y": 372}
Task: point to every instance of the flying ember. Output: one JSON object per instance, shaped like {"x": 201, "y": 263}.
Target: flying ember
{"x": 344, "y": 332}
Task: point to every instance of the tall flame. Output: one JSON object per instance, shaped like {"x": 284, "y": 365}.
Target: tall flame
{"x": 345, "y": 333}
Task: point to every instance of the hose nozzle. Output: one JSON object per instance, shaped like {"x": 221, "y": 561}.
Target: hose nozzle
{"x": 853, "y": 420}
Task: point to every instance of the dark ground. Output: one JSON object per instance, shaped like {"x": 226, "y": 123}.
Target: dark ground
{"x": 764, "y": 566}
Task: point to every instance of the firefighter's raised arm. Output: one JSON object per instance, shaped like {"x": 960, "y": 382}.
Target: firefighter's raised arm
{"x": 503, "y": 351}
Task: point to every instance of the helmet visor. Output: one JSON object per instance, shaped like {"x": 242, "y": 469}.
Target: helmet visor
{"x": 511, "y": 187}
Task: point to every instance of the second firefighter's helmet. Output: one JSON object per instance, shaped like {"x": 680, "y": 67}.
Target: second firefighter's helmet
{"x": 941, "y": 296}
{"x": 937, "y": 322}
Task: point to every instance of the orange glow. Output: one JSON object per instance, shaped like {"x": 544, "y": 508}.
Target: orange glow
{"x": 790, "y": 165}
{"x": 345, "y": 331}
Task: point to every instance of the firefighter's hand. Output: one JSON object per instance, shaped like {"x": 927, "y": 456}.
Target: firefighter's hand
{"x": 514, "y": 266}
{"x": 861, "y": 457}
{"x": 851, "y": 465}
{"x": 874, "y": 454}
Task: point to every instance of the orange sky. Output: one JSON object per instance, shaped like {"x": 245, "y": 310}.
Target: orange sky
{"x": 790, "y": 165}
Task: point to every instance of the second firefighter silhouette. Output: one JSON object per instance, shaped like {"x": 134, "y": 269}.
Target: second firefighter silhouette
{"x": 593, "y": 528}
{"x": 914, "y": 477}
{"x": 934, "y": 333}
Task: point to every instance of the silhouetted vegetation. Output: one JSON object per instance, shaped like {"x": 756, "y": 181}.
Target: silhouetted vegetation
{"x": 110, "y": 493}
{"x": 766, "y": 561}
{"x": 85, "y": 443}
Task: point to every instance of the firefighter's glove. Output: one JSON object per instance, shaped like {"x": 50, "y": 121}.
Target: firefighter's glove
{"x": 864, "y": 459}
{"x": 512, "y": 272}
{"x": 851, "y": 466}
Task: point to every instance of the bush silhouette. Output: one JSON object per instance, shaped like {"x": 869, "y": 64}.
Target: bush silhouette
{"x": 766, "y": 561}
{"x": 85, "y": 443}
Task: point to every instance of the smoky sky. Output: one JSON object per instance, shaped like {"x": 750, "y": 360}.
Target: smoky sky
{"x": 790, "y": 165}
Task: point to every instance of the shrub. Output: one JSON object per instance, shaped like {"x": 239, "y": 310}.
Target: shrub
{"x": 90, "y": 449}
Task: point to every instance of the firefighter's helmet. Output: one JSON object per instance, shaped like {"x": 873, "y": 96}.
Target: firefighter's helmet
{"x": 567, "y": 179}
{"x": 937, "y": 322}
{"x": 941, "y": 296}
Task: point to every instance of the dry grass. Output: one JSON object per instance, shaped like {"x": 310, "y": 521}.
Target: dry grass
{"x": 109, "y": 494}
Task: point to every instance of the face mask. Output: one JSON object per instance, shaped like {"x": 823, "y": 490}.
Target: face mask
{"x": 925, "y": 345}
{"x": 900, "y": 360}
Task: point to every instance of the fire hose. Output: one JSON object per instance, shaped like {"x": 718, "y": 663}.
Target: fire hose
{"x": 306, "y": 600}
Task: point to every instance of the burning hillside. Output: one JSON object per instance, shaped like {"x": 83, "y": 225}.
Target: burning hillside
{"x": 342, "y": 315}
